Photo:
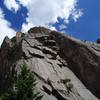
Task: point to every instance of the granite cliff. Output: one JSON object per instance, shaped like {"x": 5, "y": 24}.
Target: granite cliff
{"x": 66, "y": 68}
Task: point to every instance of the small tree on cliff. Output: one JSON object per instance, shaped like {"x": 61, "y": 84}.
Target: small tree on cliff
{"x": 98, "y": 41}
{"x": 24, "y": 87}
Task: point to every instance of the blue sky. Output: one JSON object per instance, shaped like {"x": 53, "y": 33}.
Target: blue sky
{"x": 88, "y": 26}
{"x": 78, "y": 18}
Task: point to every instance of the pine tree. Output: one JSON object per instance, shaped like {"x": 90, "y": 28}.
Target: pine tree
{"x": 24, "y": 88}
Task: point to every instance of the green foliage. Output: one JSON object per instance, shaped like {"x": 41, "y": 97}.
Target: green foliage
{"x": 24, "y": 88}
{"x": 11, "y": 95}
{"x": 0, "y": 98}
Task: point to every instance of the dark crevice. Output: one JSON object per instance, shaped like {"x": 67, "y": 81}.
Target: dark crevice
{"x": 54, "y": 55}
{"x": 47, "y": 90}
{"x": 41, "y": 78}
{"x": 57, "y": 95}
{"x": 35, "y": 55}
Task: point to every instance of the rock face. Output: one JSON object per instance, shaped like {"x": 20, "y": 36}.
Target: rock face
{"x": 60, "y": 63}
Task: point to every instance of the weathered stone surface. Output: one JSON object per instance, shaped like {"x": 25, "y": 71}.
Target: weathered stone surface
{"x": 55, "y": 59}
{"x": 39, "y": 30}
{"x": 82, "y": 59}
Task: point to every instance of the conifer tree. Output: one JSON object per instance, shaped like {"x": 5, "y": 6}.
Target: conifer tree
{"x": 24, "y": 88}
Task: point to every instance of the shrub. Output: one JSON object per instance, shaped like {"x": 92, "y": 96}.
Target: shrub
{"x": 0, "y": 98}
{"x": 65, "y": 80}
{"x": 70, "y": 86}
{"x": 98, "y": 41}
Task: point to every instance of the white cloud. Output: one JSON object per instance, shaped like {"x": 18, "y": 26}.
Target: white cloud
{"x": 52, "y": 28}
{"x": 26, "y": 27}
{"x": 43, "y": 12}
{"x": 12, "y": 5}
{"x": 24, "y": 2}
{"x": 5, "y": 29}
{"x": 62, "y": 27}
{"x": 76, "y": 15}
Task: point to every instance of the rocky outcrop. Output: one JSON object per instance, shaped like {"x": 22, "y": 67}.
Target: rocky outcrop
{"x": 65, "y": 67}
